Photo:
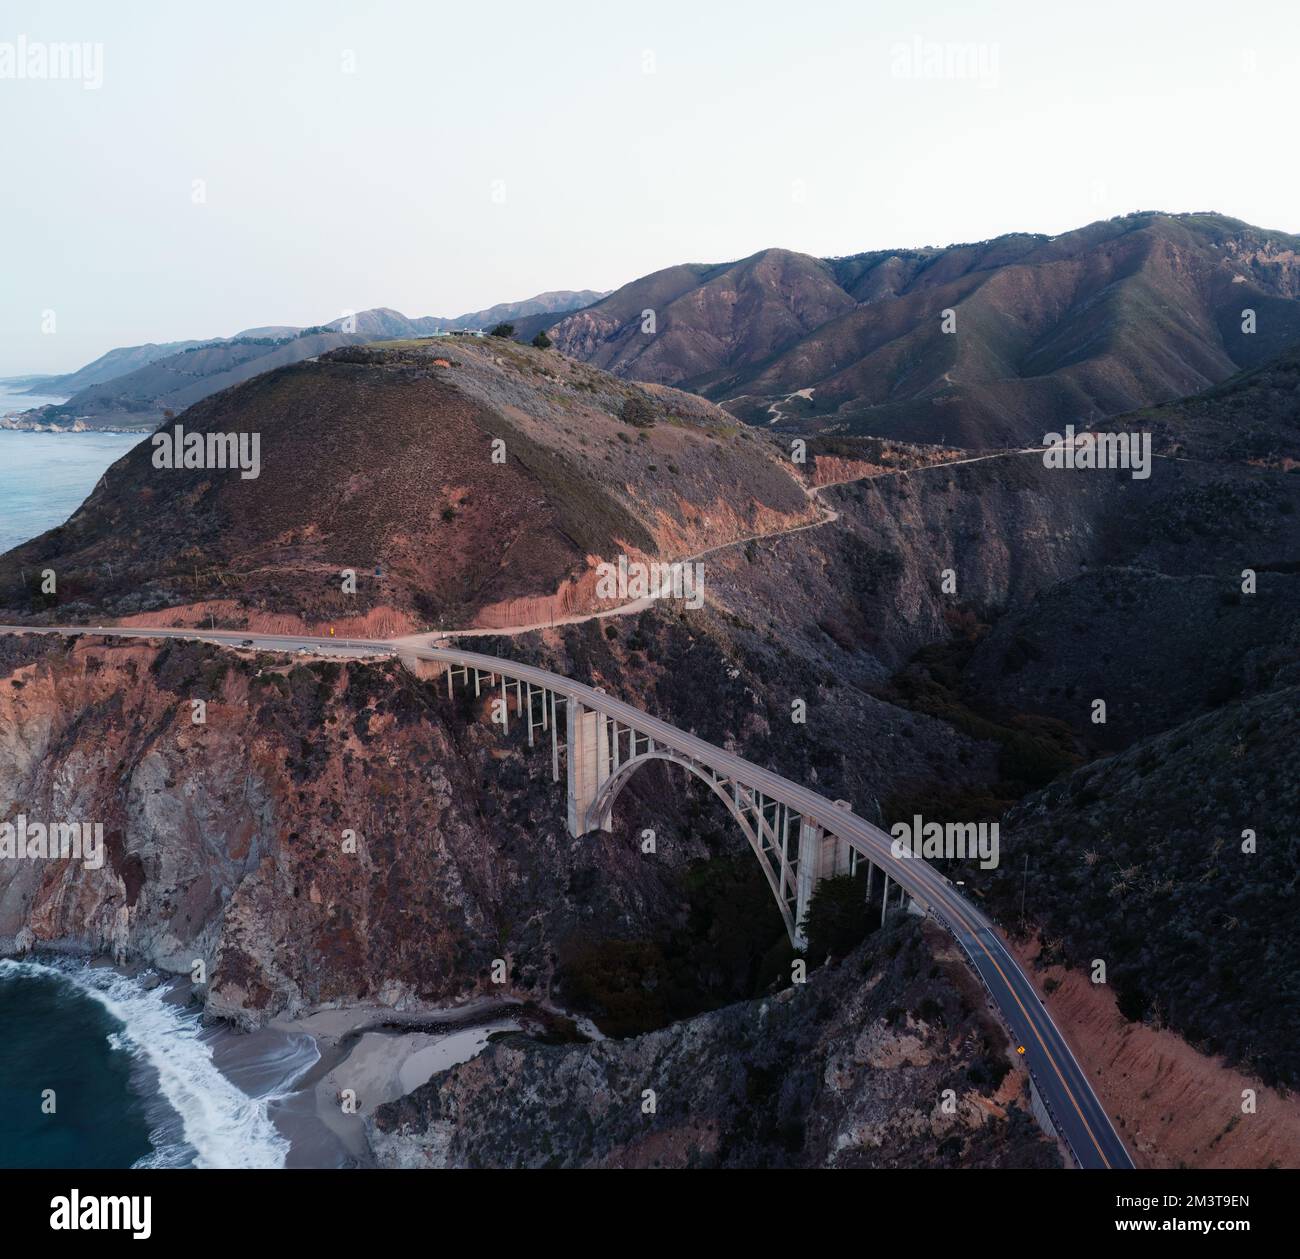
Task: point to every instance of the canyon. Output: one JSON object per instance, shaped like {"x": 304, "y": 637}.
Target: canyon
{"x": 226, "y": 840}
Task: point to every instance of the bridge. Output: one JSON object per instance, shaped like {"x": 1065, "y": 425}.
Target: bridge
{"x": 798, "y": 836}
{"x": 605, "y": 741}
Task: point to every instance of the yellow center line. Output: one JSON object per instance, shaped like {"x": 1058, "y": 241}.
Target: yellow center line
{"x": 953, "y": 906}
{"x": 924, "y": 876}
{"x": 1032, "y": 1024}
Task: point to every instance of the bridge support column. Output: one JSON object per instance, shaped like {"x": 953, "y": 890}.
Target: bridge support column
{"x": 820, "y": 856}
{"x": 589, "y": 764}
{"x": 549, "y": 697}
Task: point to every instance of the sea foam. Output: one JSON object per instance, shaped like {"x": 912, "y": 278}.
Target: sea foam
{"x": 208, "y": 1121}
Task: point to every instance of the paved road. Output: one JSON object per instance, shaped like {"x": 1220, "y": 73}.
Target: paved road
{"x": 227, "y": 638}
{"x": 1061, "y": 1081}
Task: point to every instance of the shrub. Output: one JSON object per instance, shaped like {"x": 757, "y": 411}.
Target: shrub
{"x": 503, "y": 330}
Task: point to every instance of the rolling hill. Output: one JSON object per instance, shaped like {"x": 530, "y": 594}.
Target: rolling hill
{"x": 118, "y": 362}
{"x": 1252, "y": 417}
{"x": 380, "y": 459}
{"x": 140, "y": 398}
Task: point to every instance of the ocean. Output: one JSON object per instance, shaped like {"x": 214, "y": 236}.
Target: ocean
{"x": 102, "y": 1069}
{"x": 45, "y": 477}
{"x": 99, "y": 1069}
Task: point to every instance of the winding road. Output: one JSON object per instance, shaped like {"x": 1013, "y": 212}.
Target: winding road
{"x": 1062, "y": 1085}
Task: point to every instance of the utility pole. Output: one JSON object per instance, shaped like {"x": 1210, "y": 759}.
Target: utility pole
{"x": 1024, "y": 879}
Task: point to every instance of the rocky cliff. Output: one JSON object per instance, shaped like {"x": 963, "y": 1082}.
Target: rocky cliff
{"x": 886, "y": 1059}
{"x": 228, "y": 841}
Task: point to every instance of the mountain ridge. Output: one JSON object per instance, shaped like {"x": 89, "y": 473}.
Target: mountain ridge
{"x": 119, "y": 383}
{"x": 1116, "y": 315}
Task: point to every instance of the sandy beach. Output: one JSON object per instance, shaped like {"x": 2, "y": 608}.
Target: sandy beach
{"x": 217, "y": 1094}
{"x": 371, "y": 1055}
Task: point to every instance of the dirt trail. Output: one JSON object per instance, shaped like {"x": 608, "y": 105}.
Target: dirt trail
{"x": 813, "y": 493}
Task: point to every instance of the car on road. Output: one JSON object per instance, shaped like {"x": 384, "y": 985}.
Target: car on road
{"x": 248, "y": 642}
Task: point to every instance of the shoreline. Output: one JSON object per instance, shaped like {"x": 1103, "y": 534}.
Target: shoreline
{"x": 372, "y": 1054}
{"x": 77, "y": 428}
{"x": 298, "y": 1070}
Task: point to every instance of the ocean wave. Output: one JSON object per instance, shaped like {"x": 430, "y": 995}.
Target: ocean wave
{"x": 210, "y": 1122}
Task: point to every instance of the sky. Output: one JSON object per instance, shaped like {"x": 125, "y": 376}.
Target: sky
{"x": 210, "y": 168}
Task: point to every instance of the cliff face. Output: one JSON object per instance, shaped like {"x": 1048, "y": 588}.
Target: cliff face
{"x": 226, "y": 842}
{"x": 887, "y": 1059}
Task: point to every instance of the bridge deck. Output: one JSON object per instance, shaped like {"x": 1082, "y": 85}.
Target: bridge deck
{"x": 1080, "y": 1116}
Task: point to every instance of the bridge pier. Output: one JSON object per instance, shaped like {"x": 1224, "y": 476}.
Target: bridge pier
{"x": 587, "y": 738}
{"x": 548, "y": 697}
{"x": 796, "y": 852}
{"x": 821, "y": 856}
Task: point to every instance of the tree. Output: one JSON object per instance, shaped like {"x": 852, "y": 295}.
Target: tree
{"x": 637, "y": 411}
{"x": 542, "y": 341}
{"x": 503, "y": 330}
{"x": 837, "y": 917}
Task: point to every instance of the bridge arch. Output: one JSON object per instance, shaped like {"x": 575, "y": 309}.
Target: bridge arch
{"x": 602, "y": 808}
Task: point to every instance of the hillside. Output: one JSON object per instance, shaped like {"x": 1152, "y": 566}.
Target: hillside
{"x": 1138, "y": 859}
{"x": 709, "y": 319}
{"x": 244, "y": 866}
{"x": 1078, "y": 586}
{"x": 140, "y": 398}
{"x": 464, "y": 857}
{"x": 115, "y": 363}
{"x": 1253, "y": 417}
{"x": 380, "y": 460}
{"x": 1114, "y": 316}
{"x": 1155, "y": 620}
{"x": 558, "y": 302}
{"x": 841, "y": 1072}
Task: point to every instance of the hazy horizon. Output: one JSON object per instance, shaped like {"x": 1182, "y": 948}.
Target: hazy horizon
{"x": 197, "y": 175}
